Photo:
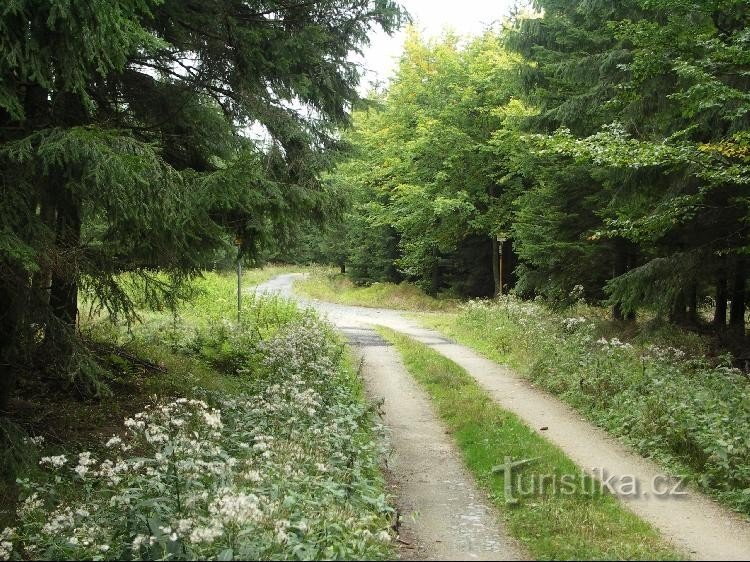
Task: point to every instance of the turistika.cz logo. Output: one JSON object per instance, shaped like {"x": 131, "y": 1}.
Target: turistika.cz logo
{"x": 520, "y": 482}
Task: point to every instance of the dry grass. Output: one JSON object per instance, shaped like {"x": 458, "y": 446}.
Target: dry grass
{"x": 333, "y": 287}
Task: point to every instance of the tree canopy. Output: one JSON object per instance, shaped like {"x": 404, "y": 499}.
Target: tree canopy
{"x": 605, "y": 141}
{"x": 140, "y": 137}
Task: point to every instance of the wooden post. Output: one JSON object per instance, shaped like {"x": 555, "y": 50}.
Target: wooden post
{"x": 739, "y": 298}
{"x": 495, "y": 267}
{"x": 238, "y": 243}
{"x": 500, "y": 260}
{"x": 239, "y": 290}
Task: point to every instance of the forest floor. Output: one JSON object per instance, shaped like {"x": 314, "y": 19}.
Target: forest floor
{"x": 692, "y": 523}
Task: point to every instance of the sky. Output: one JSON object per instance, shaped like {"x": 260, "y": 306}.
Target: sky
{"x": 431, "y": 17}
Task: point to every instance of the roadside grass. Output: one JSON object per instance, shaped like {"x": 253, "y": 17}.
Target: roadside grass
{"x": 200, "y": 352}
{"x": 258, "y": 275}
{"x": 68, "y": 423}
{"x": 140, "y": 362}
{"x": 659, "y": 390}
{"x": 327, "y": 285}
{"x": 586, "y": 525}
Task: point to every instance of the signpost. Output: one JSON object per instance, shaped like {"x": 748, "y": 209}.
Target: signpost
{"x": 238, "y": 243}
{"x": 500, "y": 257}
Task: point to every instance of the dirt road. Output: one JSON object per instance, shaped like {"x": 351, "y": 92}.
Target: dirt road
{"x": 442, "y": 513}
{"x": 690, "y": 520}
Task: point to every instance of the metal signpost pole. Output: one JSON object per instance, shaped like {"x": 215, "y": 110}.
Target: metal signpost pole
{"x": 238, "y": 243}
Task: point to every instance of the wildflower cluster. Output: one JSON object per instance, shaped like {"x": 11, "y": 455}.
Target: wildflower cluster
{"x": 571, "y": 324}
{"x": 288, "y": 469}
{"x": 613, "y": 344}
{"x": 664, "y": 353}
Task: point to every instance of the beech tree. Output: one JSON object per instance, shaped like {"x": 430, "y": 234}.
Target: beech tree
{"x": 608, "y": 140}
{"x": 426, "y": 197}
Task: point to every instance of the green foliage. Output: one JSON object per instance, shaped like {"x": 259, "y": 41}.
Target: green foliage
{"x": 125, "y": 146}
{"x": 203, "y": 324}
{"x": 334, "y": 287}
{"x": 67, "y": 45}
{"x": 14, "y": 444}
{"x": 422, "y": 182}
{"x": 606, "y": 140}
{"x": 649, "y": 103}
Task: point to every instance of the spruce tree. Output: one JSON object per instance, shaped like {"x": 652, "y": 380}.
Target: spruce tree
{"x": 672, "y": 164}
{"x": 124, "y": 145}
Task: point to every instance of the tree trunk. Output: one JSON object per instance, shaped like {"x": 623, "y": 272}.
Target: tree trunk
{"x": 42, "y": 279}
{"x": 435, "y": 275}
{"x": 722, "y": 301}
{"x": 496, "y": 266}
{"x": 14, "y": 280}
{"x": 64, "y": 291}
{"x": 679, "y": 314}
{"x": 619, "y": 267}
{"x": 632, "y": 260}
{"x": 692, "y": 304}
{"x": 617, "y": 313}
{"x": 69, "y": 111}
{"x": 342, "y": 267}
{"x": 13, "y": 290}
{"x": 737, "y": 312}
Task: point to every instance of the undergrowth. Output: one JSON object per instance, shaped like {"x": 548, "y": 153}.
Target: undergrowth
{"x": 245, "y": 441}
{"x": 659, "y": 391}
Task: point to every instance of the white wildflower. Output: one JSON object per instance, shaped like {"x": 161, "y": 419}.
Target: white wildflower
{"x": 573, "y": 323}
{"x": 212, "y": 419}
{"x": 139, "y": 541}
{"x": 253, "y": 476}
{"x": 384, "y": 536}
{"x": 184, "y": 526}
{"x": 58, "y": 522}
{"x": 6, "y": 543}
{"x": 205, "y": 534}
{"x": 232, "y": 507}
{"x": 30, "y": 504}
{"x": 54, "y": 462}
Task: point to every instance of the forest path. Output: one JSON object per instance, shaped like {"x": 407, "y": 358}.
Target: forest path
{"x": 443, "y": 515}
{"x": 691, "y": 521}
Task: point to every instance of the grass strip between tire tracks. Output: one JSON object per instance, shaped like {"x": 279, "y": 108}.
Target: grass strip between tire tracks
{"x": 584, "y": 524}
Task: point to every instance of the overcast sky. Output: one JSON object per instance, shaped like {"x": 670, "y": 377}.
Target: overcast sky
{"x": 431, "y": 17}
